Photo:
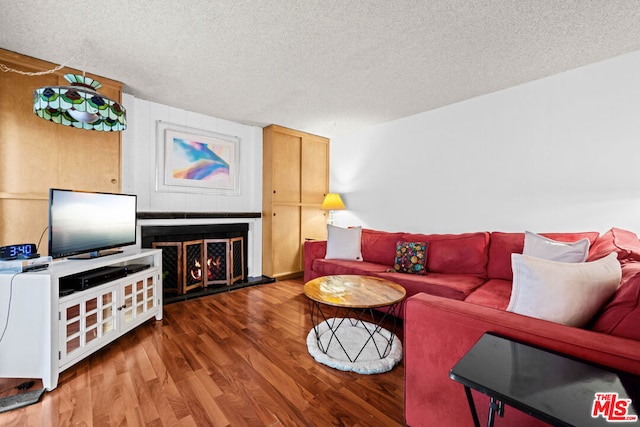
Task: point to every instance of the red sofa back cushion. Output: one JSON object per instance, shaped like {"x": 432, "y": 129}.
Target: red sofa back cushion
{"x": 465, "y": 253}
{"x": 621, "y": 316}
{"x": 504, "y": 244}
{"x": 379, "y": 246}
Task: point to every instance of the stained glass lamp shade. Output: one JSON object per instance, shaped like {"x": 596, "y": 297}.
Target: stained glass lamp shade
{"x": 79, "y": 105}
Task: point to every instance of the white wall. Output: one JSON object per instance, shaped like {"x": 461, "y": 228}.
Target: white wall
{"x": 139, "y": 162}
{"x": 557, "y": 154}
{"x": 139, "y": 151}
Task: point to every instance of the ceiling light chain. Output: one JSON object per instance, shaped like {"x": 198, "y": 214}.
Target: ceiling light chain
{"x": 38, "y": 73}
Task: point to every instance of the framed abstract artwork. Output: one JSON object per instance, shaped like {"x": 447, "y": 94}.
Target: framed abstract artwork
{"x": 196, "y": 159}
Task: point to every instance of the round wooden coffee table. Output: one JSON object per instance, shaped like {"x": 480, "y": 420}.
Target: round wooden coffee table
{"x": 334, "y": 300}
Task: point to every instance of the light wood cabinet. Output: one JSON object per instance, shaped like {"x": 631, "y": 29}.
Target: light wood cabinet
{"x": 315, "y": 170}
{"x": 285, "y": 244}
{"x": 285, "y": 169}
{"x": 313, "y": 223}
{"x": 295, "y": 181}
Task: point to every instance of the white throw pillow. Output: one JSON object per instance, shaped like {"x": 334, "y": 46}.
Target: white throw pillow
{"x": 344, "y": 243}
{"x": 541, "y": 247}
{"x": 561, "y": 292}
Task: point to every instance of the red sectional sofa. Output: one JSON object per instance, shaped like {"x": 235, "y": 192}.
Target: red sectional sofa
{"x": 465, "y": 293}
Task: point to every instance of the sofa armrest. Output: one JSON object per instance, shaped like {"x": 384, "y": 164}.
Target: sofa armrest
{"x": 439, "y": 331}
{"x": 313, "y": 249}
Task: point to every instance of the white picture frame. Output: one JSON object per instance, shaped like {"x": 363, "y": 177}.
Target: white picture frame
{"x": 196, "y": 160}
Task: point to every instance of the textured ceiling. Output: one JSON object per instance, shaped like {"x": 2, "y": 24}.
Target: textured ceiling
{"x": 326, "y": 67}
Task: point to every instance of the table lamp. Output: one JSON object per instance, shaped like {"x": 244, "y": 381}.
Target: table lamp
{"x": 332, "y": 202}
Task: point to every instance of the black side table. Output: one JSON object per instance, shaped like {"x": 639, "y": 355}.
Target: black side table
{"x": 551, "y": 387}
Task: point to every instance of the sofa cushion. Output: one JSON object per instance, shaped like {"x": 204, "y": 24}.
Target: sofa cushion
{"x": 494, "y": 293}
{"x": 504, "y": 244}
{"x": 328, "y": 267}
{"x": 410, "y": 257}
{"x": 379, "y": 246}
{"x": 455, "y": 253}
{"x": 542, "y": 247}
{"x": 567, "y": 293}
{"x": 454, "y": 286}
{"x": 621, "y": 315}
{"x": 624, "y": 242}
{"x": 344, "y": 243}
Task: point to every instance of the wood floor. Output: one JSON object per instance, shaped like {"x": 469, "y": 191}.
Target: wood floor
{"x": 230, "y": 359}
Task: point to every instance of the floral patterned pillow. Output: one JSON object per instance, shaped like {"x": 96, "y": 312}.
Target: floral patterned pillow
{"x": 411, "y": 257}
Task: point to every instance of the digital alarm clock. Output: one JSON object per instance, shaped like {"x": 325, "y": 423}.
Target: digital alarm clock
{"x": 19, "y": 251}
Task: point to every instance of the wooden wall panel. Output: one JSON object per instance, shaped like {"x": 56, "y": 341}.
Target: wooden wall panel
{"x": 36, "y": 154}
{"x": 26, "y": 149}
{"x": 23, "y": 221}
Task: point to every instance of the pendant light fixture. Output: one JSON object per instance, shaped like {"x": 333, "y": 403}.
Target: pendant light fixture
{"x": 79, "y": 105}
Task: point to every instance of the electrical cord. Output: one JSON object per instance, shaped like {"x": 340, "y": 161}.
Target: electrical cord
{"x": 6, "y": 323}
{"x": 41, "y": 236}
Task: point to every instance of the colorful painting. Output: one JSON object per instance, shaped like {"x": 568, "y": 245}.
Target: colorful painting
{"x": 199, "y": 161}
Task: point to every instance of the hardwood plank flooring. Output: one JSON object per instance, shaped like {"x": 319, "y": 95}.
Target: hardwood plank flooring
{"x": 230, "y": 359}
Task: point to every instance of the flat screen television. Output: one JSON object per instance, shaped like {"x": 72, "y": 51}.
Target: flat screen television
{"x": 83, "y": 224}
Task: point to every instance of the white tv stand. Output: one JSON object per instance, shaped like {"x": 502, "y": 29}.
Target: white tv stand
{"x": 47, "y": 334}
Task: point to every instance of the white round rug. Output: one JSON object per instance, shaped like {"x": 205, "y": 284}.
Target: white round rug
{"x": 353, "y": 335}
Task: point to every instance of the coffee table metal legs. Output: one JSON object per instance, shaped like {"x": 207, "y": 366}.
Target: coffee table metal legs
{"x": 334, "y": 322}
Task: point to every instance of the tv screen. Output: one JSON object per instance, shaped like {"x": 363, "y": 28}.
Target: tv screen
{"x": 82, "y": 222}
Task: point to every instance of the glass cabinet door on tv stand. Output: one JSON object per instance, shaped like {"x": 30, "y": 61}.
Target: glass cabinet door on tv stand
{"x": 84, "y": 321}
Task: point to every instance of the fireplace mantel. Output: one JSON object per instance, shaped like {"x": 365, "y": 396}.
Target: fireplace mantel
{"x": 197, "y": 215}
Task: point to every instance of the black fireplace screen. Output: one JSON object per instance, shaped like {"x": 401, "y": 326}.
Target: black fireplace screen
{"x": 198, "y": 256}
{"x": 192, "y": 264}
{"x": 217, "y": 262}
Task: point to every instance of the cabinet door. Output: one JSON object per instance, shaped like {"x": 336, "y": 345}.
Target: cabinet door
{"x": 286, "y": 240}
{"x": 314, "y": 224}
{"x": 315, "y": 170}
{"x": 138, "y": 299}
{"x": 286, "y": 167}
{"x": 85, "y": 322}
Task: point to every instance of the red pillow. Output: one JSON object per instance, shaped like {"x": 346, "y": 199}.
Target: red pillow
{"x": 624, "y": 242}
